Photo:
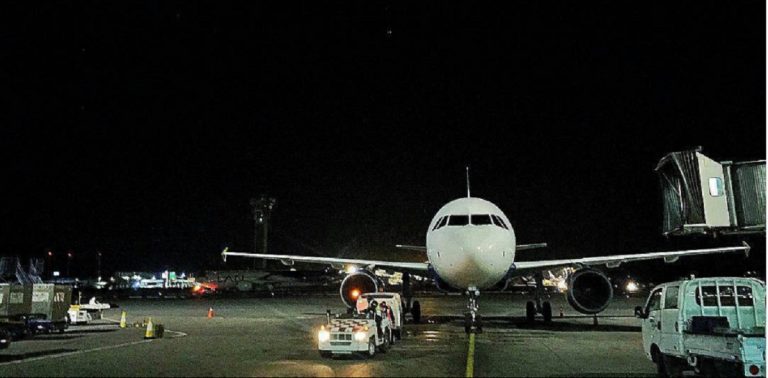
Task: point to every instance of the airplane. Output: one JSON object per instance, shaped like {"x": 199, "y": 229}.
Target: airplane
{"x": 470, "y": 246}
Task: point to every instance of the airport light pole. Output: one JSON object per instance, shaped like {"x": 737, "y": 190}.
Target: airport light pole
{"x": 98, "y": 269}
{"x": 262, "y": 213}
{"x": 69, "y": 260}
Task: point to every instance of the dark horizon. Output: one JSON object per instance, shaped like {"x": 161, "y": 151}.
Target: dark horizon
{"x": 142, "y": 129}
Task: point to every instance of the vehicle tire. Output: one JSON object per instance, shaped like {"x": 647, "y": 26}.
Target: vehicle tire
{"x": 416, "y": 312}
{"x": 706, "y": 368}
{"x": 530, "y": 312}
{"x": 326, "y": 354}
{"x": 371, "y": 348}
{"x": 546, "y": 310}
{"x": 385, "y": 344}
{"x": 673, "y": 366}
{"x": 658, "y": 359}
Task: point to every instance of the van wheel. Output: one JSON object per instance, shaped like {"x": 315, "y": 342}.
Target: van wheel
{"x": 673, "y": 366}
{"x": 530, "y": 312}
{"x": 659, "y": 360}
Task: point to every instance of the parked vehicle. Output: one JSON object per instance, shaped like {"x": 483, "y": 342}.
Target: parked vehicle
{"x": 715, "y": 326}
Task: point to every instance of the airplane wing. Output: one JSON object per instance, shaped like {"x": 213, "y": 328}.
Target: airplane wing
{"x": 290, "y": 259}
{"x": 616, "y": 260}
{"x": 519, "y": 247}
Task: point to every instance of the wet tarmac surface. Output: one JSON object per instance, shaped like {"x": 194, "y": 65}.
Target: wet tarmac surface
{"x": 276, "y": 337}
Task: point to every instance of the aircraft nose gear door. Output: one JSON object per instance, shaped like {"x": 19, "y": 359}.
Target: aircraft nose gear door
{"x": 472, "y": 321}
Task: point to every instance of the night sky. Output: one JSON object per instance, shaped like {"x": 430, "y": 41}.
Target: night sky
{"x": 142, "y": 129}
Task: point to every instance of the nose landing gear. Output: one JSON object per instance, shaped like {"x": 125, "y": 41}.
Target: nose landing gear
{"x": 472, "y": 320}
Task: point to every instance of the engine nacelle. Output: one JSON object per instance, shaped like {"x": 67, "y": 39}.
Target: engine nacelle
{"x": 358, "y": 283}
{"x": 589, "y": 291}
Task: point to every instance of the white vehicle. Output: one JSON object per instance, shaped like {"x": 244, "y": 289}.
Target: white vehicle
{"x": 470, "y": 245}
{"x": 354, "y": 335}
{"x": 78, "y": 315}
{"x": 393, "y": 302}
{"x": 715, "y": 326}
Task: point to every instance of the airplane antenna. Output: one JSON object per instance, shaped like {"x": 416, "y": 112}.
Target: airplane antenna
{"x": 468, "y": 196}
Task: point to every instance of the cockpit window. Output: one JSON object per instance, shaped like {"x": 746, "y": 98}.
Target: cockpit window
{"x": 481, "y": 219}
{"x": 499, "y": 222}
{"x": 440, "y": 222}
{"x": 458, "y": 220}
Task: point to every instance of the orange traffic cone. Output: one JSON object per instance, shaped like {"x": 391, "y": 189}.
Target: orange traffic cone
{"x": 210, "y": 312}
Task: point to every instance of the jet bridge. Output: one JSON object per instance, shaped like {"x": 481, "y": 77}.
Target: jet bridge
{"x": 703, "y": 196}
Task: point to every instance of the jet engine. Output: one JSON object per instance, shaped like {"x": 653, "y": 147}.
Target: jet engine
{"x": 589, "y": 291}
{"x": 358, "y": 283}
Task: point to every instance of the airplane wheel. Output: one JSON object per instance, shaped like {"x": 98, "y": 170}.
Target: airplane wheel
{"x": 546, "y": 310}
{"x": 478, "y": 324}
{"x": 467, "y": 323}
{"x": 416, "y": 312}
{"x": 530, "y": 312}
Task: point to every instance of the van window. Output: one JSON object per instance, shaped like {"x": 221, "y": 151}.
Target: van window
{"x": 706, "y": 296}
{"x": 745, "y": 296}
{"x": 654, "y": 302}
{"x": 727, "y": 297}
{"x": 458, "y": 220}
{"x": 670, "y": 297}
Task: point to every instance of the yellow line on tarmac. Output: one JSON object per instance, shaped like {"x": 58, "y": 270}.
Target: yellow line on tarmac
{"x": 471, "y": 356}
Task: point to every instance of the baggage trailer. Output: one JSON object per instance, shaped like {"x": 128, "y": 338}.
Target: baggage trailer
{"x": 714, "y": 326}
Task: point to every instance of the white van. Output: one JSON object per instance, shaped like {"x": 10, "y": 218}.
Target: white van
{"x": 715, "y": 326}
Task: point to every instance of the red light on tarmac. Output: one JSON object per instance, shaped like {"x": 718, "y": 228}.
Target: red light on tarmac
{"x": 354, "y": 293}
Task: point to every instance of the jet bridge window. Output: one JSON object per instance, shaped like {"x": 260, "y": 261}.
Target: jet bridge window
{"x": 458, "y": 220}
{"x": 499, "y": 222}
{"x": 481, "y": 219}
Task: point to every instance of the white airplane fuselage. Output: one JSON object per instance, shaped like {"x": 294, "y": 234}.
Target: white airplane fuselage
{"x": 474, "y": 246}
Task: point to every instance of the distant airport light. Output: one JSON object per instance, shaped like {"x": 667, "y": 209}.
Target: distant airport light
{"x": 56, "y": 273}
{"x": 632, "y": 286}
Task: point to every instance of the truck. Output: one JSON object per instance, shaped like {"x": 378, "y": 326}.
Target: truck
{"x": 358, "y": 333}
{"x": 714, "y": 326}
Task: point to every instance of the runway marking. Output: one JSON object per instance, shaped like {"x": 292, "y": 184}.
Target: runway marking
{"x": 471, "y": 356}
{"x": 67, "y": 354}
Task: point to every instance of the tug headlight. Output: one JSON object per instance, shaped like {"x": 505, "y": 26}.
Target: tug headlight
{"x": 360, "y": 336}
{"x": 323, "y": 336}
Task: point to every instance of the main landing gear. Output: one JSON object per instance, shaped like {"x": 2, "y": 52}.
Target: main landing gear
{"x": 539, "y": 307}
{"x": 415, "y": 308}
{"x": 472, "y": 320}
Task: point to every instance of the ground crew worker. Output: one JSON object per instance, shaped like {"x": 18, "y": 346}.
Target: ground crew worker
{"x": 376, "y": 310}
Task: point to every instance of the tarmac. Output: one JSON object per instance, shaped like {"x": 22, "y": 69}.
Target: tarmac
{"x": 276, "y": 337}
